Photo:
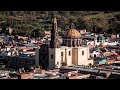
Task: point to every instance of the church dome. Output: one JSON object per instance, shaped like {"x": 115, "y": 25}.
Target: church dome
{"x": 73, "y": 33}
{"x": 100, "y": 37}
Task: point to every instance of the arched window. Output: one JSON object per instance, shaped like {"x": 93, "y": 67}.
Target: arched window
{"x": 97, "y": 39}
{"x": 69, "y": 53}
{"x": 69, "y": 43}
{"x": 80, "y": 42}
{"x": 77, "y": 42}
{"x": 73, "y": 43}
{"x": 57, "y": 63}
{"x": 63, "y": 42}
{"x": 94, "y": 55}
{"x": 82, "y": 52}
{"x": 51, "y": 56}
{"x": 61, "y": 53}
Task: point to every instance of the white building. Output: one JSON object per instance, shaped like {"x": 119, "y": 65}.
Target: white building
{"x": 113, "y": 43}
{"x": 100, "y": 40}
{"x": 90, "y": 42}
{"x": 71, "y": 53}
{"x": 95, "y": 54}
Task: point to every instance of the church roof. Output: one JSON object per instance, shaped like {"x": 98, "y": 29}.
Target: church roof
{"x": 73, "y": 33}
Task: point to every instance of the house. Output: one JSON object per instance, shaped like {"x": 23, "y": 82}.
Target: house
{"x": 25, "y": 60}
{"x": 23, "y": 75}
{"x": 47, "y": 34}
{"x": 110, "y": 61}
{"x": 113, "y": 36}
{"x": 23, "y": 38}
{"x": 83, "y": 31}
{"x": 118, "y": 57}
{"x": 100, "y": 61}
{"x": 95, "y": 54}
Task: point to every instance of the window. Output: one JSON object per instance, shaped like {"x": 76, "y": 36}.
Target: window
{"x": 30, "y": 61}
{"x": 26, "y": 61}
{"x": 20, "y": 60}
{"x": 82, "y": 52}
{"x": 69, "y": 53}
{"x": 51, "y": 56}
{"x": 73, "y": 43}
{"x": 15, "y": 59}
{"x": 94, "y": 55}
{"x": 90, "y": 56}
{"x": 76, "y": 42}
{"x": 61, "y": 59}
{"x": 61, "y": 53}
{"x": 57, "y": 63}
{"x": 63, "y": 42}
{"x": 1, "y": 56}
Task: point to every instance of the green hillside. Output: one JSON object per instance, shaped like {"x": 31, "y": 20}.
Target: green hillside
{"x": 25, "y": 22}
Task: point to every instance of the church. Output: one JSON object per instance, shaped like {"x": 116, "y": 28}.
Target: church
{"x": 70, "y": 52}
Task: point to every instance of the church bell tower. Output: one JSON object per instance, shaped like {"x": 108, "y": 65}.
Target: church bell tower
{"x": 54, "y": 43}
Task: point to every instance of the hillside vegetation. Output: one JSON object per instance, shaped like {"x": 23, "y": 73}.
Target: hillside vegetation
{"x": 27, "y": 22}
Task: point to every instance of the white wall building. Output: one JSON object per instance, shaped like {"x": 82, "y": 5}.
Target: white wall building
{"x": 100, "y": 40}
{"x": 69, "y": 55}
{"x": 95, "y": 54}
{"x": 113, "y": 43}
{"x": 72, "y": 53}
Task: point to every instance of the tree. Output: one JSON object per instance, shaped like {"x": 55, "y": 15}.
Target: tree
{"x": 38, "y": 33}
{"x": 114, "y": 24}
{"x": 99, "y": 21}
{"x": 81, "y": 24}
{"x": 89, "y": 20}
{"x": 41, "y": 33}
